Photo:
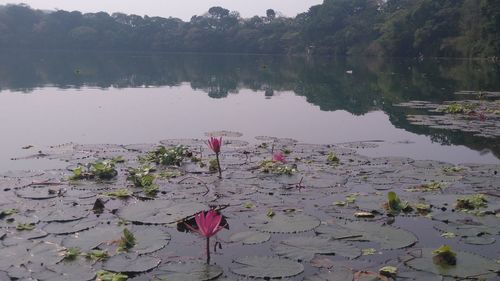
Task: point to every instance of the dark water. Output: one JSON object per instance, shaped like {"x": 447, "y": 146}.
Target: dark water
{"x": 52, "y": 98}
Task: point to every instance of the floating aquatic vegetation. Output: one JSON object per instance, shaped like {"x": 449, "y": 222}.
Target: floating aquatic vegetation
{"x": 96, "y": 255}
{"x": 432, "y": 186}
{"x": 276, "y": 168}
{"x": 127, "y": 241}
{"x": 304, "y": 248}
{"x": 332, "y": 158}
{"x": 25, "y": 226}
{"x": 395, "y": 205}
{"x": 103, "y": 170}
{"x": 190, "y": 271}
{"x": 455, "y": 108}
{"x": 7, "y": 212}
{"x": 250, "y": 237}
{"x": 71, "y": 254}
{"x": 471, "y": 202}
{"x": 388, "y": 271}
{"x": 120, "y": 193}
{"x": 444, "y": 256}
{"x": 168, "y": 156}
{"x": 103, "y": 275}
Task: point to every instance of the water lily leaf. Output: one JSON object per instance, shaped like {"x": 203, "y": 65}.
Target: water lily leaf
{"x": 26, "y": 253}
{"x": 342, "y": 274}
{"x": 480, "y": 240}
{"x": 387, "y": 236}
{"x": 250, "y": 237}
{"x": 63, "y": 213}
{"x": 192, "y": 271}
{"x": 286, "y": 223}
{"x": 70, "y": 227}
{"x": 267, "y": 267}
{"x": 150, "y": 240}
{"x": 66, "y": 272}
{"x": 304, "y": 248}
{"x": 37, "y": 192}
{"x": 90, "y": 239}
{"x": 467, "y": 265}
{"x": 159, "y": 211}
{"x": 130, "y": 263}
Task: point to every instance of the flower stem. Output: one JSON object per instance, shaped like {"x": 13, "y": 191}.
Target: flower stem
{"x": 208, "y": 250}
{"x": 218, "y": 165}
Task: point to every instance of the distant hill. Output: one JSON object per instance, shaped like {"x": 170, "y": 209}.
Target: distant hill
{"x": 405, "y": 28}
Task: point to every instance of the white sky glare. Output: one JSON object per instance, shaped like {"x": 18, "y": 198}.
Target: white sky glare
{"x": 183, "y": 9}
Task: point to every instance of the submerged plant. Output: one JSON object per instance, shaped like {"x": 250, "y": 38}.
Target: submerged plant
{"x": 127, "y": 241}
{"x": 208, "y": 224}
{"x": 7, "y": 212}
{"x": 215, "y": 144}
{"x": 444, "y": 256}
{"x": 25, "y": 226}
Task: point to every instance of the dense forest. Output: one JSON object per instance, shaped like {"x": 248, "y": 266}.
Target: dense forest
{"x": 403, "y": 28}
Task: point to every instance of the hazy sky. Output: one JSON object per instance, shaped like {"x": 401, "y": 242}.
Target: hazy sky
{"x": 166, "y": 8}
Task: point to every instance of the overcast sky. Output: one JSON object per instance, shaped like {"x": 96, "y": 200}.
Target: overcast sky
{"x": 166, "y": 8}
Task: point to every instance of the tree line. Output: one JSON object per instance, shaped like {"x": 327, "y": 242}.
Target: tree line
{"x": 402, "y": 28}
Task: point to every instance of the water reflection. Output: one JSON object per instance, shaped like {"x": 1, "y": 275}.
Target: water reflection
{"x": 358, "y": 86}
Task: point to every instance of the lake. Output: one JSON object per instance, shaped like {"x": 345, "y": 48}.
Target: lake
{"x": 373, "y": 173}
{"x": 49, "y": 98}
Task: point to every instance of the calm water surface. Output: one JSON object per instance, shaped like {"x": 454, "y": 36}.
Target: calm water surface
{"x": 54, "y": 98}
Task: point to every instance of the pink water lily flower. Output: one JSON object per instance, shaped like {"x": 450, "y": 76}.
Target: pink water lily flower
{"x": 215, "y": 144}
{"x": 208, "y": 223}
{"x": 279, "y": 157}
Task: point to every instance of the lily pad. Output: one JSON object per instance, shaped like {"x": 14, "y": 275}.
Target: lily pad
{"x": 250, "y": 237}
{"x": 387, "y": 236}
{"x": 29, "y": 253}
{"x": 286, "y": 223}
{"x": 191, "y": 271}
{"x": 467, "y": 265}
{"x": 66, "y": 272}
{"x": 150, "y": 240}
{"x": 159, "y": 211}
{"x": 61, "y": 228}
{"x": 304, "y": 248}
{"x": 130, "y": 263}
{"x": 342, "y": 274}
{"x": 90, "y": 239}
{"x": 267, "y": 267}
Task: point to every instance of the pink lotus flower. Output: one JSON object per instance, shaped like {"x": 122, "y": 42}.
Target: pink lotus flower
{"x": 208, "y": 224}
{"x": 279, "y": 157}
{"x": 215, "y": 144}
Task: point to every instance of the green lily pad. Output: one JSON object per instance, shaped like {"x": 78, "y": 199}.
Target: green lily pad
{"x": 250, "y": 237}
{"x": 66, "y": 272}
{"x": 467, "y": 265}
{"x": 304, "y": 248}
{"x": 61, "y": 228}
{"x": 159, "y": 211}
{"x": 150, "y": 240}
{"x": 387, "y": 236}
{"x": 286, "y": 223}
{"x": 191, "y": 271}
{"x": 30, "y": 253}
{"x": 342, "y": 274}
{"x": 267, "y": 267}
{"x": 90, "y": 239}
{"x": 130, "y": 263}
